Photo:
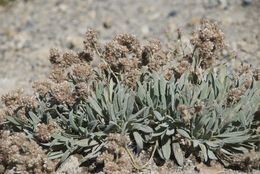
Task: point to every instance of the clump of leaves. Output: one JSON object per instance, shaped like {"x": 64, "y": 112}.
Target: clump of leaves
{"x": 139, "y": 98}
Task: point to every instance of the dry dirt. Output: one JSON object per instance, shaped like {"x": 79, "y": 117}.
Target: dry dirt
{"x": 29, "y": 28}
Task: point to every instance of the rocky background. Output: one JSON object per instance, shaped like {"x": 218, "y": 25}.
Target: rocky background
{"x": 29, "y": 28}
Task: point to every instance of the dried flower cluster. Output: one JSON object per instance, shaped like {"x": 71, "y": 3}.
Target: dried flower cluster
{"x": 246, "y": 73}
{"x": 234, "y": 95}
{"x": 3, "y": 114}
{"x": 125, "y": 55}
{"x": 115, "y": 159}
{"x": 70, "y": 77}
{"x": 208, "y": 40}
{"x": 257, "y": 74}
{"x": 43, "y": 131}
{"x": 16, "y": 98}
{"x": 42, "y": 87}
{"x": 19, "y": 154}
{"x": 17, "y": 103}
{"x": 63, "y": 92}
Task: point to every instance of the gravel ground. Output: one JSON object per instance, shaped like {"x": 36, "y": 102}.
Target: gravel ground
{"x": 29, "y": 28}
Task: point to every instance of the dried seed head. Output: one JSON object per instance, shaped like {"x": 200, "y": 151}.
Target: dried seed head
{"x": 86, "y": 56}
{"x": 3, "y": 115}
{"x": 116, "y": 140}
{"x": 58, "y": 75}
{"x": 199, "y": 106}
{"x": 90, "y": 39}
{"x": 70, "y": 58}
{"x": 168, "y": 74}
{"x": 181, "y": 68}
{"x": 245, "y": 72}
{"x": 63, "y": 93}
{"x": 131, "y": 78}
{"x": 209, "y": 32}
{"x": 12, "y": 98}
{"x": 82, "y": 90}
{"x": 43, "y": 131}
{"x": 55, "y": 57}
{"x": 149, "y": 50}
{"x": 234, "y": 95}
{"x": 17, "y": 98}
{"x": 42, "y": 87}
{"x": 123, "y": 49}
{"x": 81, "y": 72}
{"x": 158, "y": 61}
{"x": 208, "y": 40}
{"x": 113, "y": 52}
{"x": 115, "y": 157}
{"x": 130, "y": 42}
{"x": 244, "y": 69}
{"x": 184, "y": 109}
{"x": 105, "y": 157}
{"x": 23, "y": 154}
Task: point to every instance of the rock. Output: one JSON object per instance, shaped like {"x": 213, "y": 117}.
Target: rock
{"x": 74, "y": 42}
{"x": 145, "y": 29}
{"x": 172, "y": 13}
{"x": 63, "y": 7}
{"x": 246, "y": 3}
{"x": 107, "y": 23}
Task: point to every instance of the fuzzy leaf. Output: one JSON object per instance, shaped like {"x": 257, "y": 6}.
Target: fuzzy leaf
{"x": 204, "y": 151}
{"x": 95, "y": 106}
{"x": 143, "y": 128}
{"x": 183, "y": 133}
{"x": 166, "y": 149}
{"x": 158, "y": 115}
{"x": 72, "y": 122}
{"x": 138, "y": 139}
{"x": 212, "y": 155}
{"x": 170, "y": 132}
{"x": 55, "y": 155}
{"x": 34, "y": 118}
{"x": 178, "y": 155}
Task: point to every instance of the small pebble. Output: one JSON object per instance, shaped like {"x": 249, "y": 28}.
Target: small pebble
{"x": 246, "y": 3}
{"x": 172, "y": 13}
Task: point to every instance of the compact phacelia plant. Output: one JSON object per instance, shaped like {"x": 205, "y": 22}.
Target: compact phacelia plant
{"x": 110, "y": 103}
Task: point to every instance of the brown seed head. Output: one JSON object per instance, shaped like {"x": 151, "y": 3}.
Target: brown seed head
{"x": 63, "y": 93}
{"x": 43, "y": 131}
{"x": 23, "y": 154}
{"x": 55, "y": 57}
{"x": 81, "y": 72}
{"x": 42, "y": 87}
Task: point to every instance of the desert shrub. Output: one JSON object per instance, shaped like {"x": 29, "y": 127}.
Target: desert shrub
{"x": 138, "y": 98}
